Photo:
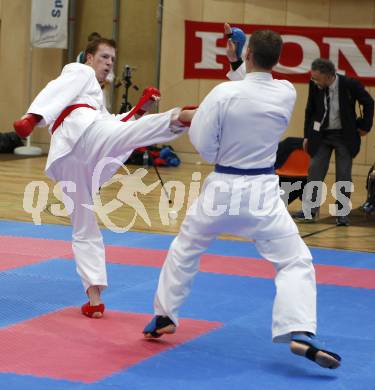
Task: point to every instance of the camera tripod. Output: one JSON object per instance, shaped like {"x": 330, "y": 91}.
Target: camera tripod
{"x": 126, "y": 106}
{"x": 127, "y": 82}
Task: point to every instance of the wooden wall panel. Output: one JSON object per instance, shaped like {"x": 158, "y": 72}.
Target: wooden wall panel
{"x": 137, "y": 45}
{"x": 18, "y": 88}
{"x": 295, "y": 128}
{"x": 325, "y": 13}
{"x": 349, "y": 13}
{"x": 137, "y": 40}
{"x": 303, "y": 13}
{"x": 174, "y": 89}
{"x": 172, "y": 50}
{"x": 265, "y": 12}
{"x": 54, "y": 58}
{"x": 92, "y": 15}
{"x": 218, "y": 10}
{"x": 14, "y": 60}
{"x": 179, "y": 95}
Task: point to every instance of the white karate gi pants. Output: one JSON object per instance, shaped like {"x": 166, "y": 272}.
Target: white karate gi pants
{"x": 103, "y": 138}
{"x": 277, "y": 240}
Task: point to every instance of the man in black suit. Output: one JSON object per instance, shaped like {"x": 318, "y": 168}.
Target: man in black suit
{"x": 331, "y": 124}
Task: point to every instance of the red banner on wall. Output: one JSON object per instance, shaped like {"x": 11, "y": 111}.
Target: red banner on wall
{"x": 352, "y": 50}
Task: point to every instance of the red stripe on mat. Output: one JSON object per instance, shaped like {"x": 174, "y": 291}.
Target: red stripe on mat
{"x": 19, "y": 251}
{"x": 244, "y": 266}
{"x": 229, "y": 265}
{"x": 66, "y": 345}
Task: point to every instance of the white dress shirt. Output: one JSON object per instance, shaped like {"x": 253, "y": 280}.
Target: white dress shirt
{"x": 334, "y": 121}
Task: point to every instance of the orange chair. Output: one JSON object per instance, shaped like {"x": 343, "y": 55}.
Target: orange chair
{"x": 296, "y": 165}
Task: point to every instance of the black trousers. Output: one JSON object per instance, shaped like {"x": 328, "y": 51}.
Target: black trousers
{"x": 286, "y": 183}
{"x": 332, "y": 140}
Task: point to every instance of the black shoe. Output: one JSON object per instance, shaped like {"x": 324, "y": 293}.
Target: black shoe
{"x": 300, "y": 217}
{"x": 368, "y": 208}
{"x": 342, "y": 221}
{"x": 309, "y": 347}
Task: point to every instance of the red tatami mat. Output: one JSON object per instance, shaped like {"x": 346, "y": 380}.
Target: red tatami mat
{"x": 66, "y": 345}
{"x": 20, "y": 251}
{"x": 244, "y": 266}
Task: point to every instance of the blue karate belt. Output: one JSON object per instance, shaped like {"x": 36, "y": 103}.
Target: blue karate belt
{"x": 244, "y": 172}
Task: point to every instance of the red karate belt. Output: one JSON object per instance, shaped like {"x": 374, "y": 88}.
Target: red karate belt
{"x": 66, "y": 112}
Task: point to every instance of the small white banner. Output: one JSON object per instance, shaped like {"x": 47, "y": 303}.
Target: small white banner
{"x": 49, "y": 23}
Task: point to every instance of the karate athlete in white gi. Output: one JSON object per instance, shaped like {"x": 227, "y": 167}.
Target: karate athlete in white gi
{"x": 83, "y": 134}
{"x": 237, "y": 127}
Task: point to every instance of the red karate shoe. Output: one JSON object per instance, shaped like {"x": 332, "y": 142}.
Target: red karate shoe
{"x": 93, "y": 311}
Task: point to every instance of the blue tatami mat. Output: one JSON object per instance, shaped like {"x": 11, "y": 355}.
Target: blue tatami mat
{"x": 239, "y": 354}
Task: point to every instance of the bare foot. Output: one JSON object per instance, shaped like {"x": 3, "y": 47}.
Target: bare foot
{"x": 93, "y": 292}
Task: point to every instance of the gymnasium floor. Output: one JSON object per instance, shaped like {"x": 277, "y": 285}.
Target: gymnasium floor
{"x": 224, "y": 340}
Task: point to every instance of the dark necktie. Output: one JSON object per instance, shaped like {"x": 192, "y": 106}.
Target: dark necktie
{"x": 326, "y": 106}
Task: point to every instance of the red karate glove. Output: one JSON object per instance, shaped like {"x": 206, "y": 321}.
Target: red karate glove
{"x": 26, "y": 124}
{"x": 150, "y": 95}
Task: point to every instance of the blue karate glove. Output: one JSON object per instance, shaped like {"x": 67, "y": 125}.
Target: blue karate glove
{"x": 239, "y": 38}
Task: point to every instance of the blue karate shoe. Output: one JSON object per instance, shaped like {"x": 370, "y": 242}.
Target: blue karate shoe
{"x": 303, "y": 344}
{"x": 239, "y": 38}
{"x": 158, "y": 326}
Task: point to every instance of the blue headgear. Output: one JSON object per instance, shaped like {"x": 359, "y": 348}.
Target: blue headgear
{"x": 239, "y": 38}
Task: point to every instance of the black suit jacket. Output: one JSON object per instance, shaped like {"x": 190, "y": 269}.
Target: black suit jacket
{"x": 350, "y": 92}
